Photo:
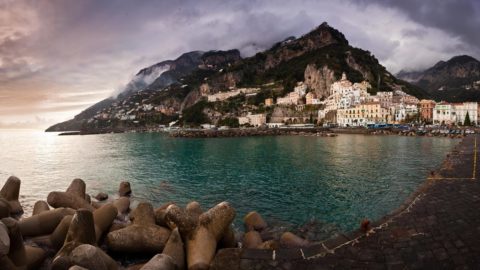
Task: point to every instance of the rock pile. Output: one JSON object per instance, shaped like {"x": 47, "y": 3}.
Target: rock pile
{"x": 70, "y": 231}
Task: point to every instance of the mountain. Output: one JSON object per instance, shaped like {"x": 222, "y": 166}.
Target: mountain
{"x": 176, "y": 87}
{"x": 318, "y": 58}
{"x": 152, "y": 78}
{"x": 455, "y": 80}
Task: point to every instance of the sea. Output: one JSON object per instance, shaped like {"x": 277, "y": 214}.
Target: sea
{"x": 317, "y": 185}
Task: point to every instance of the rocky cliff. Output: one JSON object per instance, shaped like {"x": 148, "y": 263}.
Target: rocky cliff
{"x": 319, "y": 79}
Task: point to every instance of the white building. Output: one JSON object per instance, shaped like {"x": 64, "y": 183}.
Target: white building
{"x": 461, "y": 110}
{"x": 275, "y": 125}
{"x": 207, "y": 126}
{"x": 321, "y": 114}
{"x": 311, "y": 99}
{"x": 401, "y": 111}
{"x": 385, "y": 98}
{"x": 344, "y": 94}
{"x": 255, "y": 120}
{"x": 300, "y": 89}
{"x": 447, "y": 113}
{"x": 147, "y": 107}
{"x": 443, "y": 114}
{"x": 291, "y": 98}
{"x": 402, "y": 97}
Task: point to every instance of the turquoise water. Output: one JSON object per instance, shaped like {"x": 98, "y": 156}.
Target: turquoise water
{"x": 291, "y": 180}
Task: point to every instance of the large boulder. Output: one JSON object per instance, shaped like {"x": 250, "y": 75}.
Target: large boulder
{"x": 10, "y": 192}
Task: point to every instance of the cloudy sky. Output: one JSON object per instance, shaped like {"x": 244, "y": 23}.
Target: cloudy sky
{"x": 59, "y": 57}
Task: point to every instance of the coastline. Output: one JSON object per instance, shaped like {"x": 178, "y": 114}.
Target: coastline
{"x": 287, "y": 131}
{"x": 343, "y": 251}
{"x": 312, "y": 250}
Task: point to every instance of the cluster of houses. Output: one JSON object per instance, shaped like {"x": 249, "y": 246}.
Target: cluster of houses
{"x": 350, "y": 105}
{"x": 354, "y": 106}
{"x": 132, "y": 108}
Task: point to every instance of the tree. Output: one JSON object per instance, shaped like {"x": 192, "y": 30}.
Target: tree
{"x": 467, "y": 121}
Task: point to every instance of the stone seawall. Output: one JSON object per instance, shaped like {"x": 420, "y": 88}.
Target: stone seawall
{"x": 250, "y": 132}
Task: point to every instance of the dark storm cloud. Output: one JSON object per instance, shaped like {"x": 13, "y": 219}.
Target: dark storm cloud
{"x": 460, "y": 18}
{"x": 53, "y": 53}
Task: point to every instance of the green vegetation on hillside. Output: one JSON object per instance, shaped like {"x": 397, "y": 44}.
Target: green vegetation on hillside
{"x": 194, "y": 115}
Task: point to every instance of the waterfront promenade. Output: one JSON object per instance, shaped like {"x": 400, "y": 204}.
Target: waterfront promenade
{"x": 437, "y": 227}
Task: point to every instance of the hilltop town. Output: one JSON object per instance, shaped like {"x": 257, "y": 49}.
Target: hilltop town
{"x": 349, "y": 105}
{"x": 317, "y": 79}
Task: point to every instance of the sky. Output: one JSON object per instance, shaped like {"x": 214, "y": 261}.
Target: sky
{"x": 58, "y": 57}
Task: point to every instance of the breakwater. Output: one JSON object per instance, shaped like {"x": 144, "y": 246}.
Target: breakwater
{"x": 318, "y": 131}
{"x": 70, "y": 230}
{"x": 247, "y": 132}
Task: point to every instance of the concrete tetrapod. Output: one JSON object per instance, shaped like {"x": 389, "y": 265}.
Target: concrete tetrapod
{"x": 159, "y": 262}
{"x": 35, "y": 257}
{"x": 142, "y": 236}
{"x": 92, "y": 257}
{"x": 290, "y": 240}
{"x": 56, "y": 239}
{"x": 80, "y": 231}
{"x": 228, "y": 239}
{"x": 39, "y": 207}
{"x": 254, "y": 221}
{"x": 5, "y": 208}
{"x": 252, "y": 239}
{"x": 103, "y": 218}
{"x": 19, "y": 255}
{"x": 10, "y": 192}
{"x": 194, "y": 210}
{"x": 124, "y": 189}
{"x": 43, "y": 223}
{"x": 123, "y": 205}
{"x": 74, "y": 197}
{"x": 76, "y": 267}
{"x": 4, "y": 240}
{"x": 160, "y": 215}
{"x": 202, "y": 235}
{"x": 175, "y": 249}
